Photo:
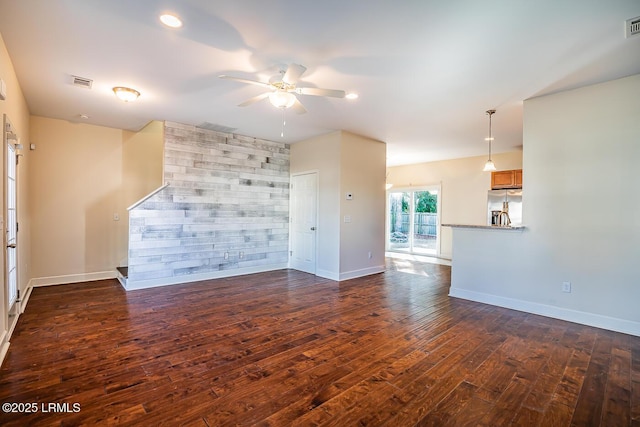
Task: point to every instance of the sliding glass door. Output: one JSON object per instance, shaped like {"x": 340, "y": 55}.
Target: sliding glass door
{"x": 413, "y": 221}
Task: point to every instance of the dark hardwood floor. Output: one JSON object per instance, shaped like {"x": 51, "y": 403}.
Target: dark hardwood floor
{"x": 287, "y": 348}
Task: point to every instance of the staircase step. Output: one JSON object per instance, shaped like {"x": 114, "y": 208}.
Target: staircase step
{"x": 124, "y": 271}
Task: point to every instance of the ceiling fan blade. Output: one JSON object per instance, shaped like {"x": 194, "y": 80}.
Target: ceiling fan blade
{"x": 298, "y": 108}
{"x": 293, "y": 73}
{"x": 320, "y": 92}
{"x": 253, "y": 82}
{"x": 254, "y": 99}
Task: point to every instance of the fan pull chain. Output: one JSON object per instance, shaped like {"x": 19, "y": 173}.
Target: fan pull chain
{"x": 283, "y": 123}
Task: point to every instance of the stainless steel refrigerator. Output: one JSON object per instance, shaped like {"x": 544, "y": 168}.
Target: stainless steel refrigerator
{"x": 495, "y": 202}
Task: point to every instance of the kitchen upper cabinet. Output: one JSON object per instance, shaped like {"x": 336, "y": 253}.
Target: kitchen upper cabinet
{"x": 506, "y": 179}
{"x": 518, "y": 177}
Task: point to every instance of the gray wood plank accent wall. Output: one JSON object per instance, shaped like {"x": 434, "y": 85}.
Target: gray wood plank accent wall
{"x": 226, "y": 207}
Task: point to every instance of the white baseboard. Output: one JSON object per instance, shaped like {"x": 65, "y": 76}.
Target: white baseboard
{"x": 6, "y": 335}
{"x": 176, "y": 280}
{"x": 4, "y": 345}
{"x": 72, "y": 278}
{"x": 25, "y": 298}
{"x": 326, "y": 274}
{"x": 362, "y": 272}
{"x": 332, "y": 275}
{"x": 575, "y": 316}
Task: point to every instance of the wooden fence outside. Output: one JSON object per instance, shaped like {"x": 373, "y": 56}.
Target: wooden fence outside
{"x": 425, "y": 224}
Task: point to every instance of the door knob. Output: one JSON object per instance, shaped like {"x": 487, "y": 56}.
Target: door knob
{"x": 12, "y": 246}
{"x": 313, "y": 229}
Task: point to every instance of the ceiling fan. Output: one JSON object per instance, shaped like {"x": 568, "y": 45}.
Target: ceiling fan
{"x": 282, "y": 89}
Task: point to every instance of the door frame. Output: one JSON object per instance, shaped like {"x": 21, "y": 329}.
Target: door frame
{"x": 316, "y": 172}
{"x": 412, "y": 190}
{"x": 11, "y": 310}
{"x": 11, "y": 267}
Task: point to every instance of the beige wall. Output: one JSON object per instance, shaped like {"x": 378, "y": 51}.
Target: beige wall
{"x": 17, "y": 111}
{"x": 363, "y": 163}
{"x": 463, "y": 184}
{"x": 15, "y": 105}
{"x": 82, "y": 175}
{"x": 581, "y": 209}
{"x": 76, "y": 179}
{"x": 142, "y": 159}
{"x": 142, "y": 164}
{"x": 322, "y": 154}
{"x": 346, "y": 163}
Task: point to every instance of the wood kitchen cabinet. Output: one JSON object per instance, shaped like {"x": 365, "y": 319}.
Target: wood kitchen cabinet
{"x": 506, "y": 179}
{"x": 518, "y": 177}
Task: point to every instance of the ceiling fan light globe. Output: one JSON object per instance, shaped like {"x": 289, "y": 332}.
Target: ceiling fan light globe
{"x": 282, "y": 99}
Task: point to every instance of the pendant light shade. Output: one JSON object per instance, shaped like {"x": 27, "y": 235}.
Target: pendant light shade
{"x": 489, "y": 166}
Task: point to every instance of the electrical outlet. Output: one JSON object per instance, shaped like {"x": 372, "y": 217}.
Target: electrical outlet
{"x": 370, "y": 255}
{"x": 241, "y": 255}
{"x": 566, "y": 287}
{"x": 226, "y": 255}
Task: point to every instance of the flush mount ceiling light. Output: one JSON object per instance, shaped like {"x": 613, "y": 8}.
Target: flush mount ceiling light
{"x": 489, "y": 165}
{"x": 170, "y": 20}
{"x": 126, "y": 94}
{"x": 351, "y": 95}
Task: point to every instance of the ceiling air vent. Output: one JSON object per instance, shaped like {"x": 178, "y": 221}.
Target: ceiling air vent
{"x": 633, "y": 26}
{"x": 215, "y": 127}
{"x": 82, "y": 82}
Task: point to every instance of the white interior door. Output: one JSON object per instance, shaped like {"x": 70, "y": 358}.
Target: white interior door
{"x": 12, "y": 225}
{"x": 304, "y": 215}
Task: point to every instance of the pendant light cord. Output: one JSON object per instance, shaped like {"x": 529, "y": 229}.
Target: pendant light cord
{"x": 490, "y": 113}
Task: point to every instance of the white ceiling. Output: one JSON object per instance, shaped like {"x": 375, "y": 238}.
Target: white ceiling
{"x": 426, "y": 71}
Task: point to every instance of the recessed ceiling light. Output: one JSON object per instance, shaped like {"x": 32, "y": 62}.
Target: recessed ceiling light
{"x": 126, "y": 94}
{"x": 171, "y": 20}
{"x": 351, "y": 95}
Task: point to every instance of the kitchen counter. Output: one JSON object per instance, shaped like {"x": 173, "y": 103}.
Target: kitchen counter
{"x": 487, "y": 227}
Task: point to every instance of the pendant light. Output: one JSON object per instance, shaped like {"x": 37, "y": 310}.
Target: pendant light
{"x": 489, "y": 166}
